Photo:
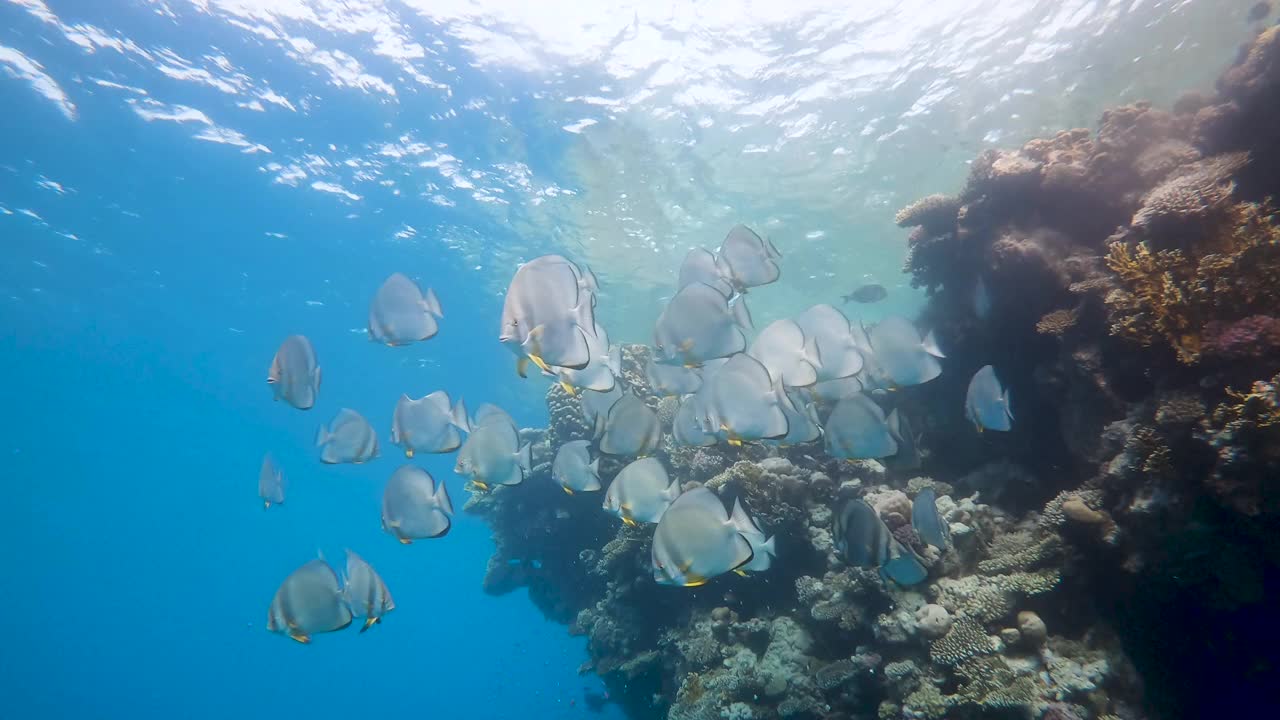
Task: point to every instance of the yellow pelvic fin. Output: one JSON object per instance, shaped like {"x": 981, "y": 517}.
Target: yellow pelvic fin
{"x": 732, "y": 439}
{"x": 303, "y": 638}
{"x": 481, "y": 486}
{"x": 408, "y": 452}
{"x": 569, "y": 389}
{"x": 627, "y": 519}
{"x": 368, "y": 623}
{"x": 542, "y": 365}
{"x": 405, "y": 541}
{"x": 567, "y": 490}
{"x": 522, "y": 365}
{"x": 741, "y": 572}
{"x": 694, "y": 580}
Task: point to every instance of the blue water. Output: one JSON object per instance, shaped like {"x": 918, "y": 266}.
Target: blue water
{"x": 139, "y": 562}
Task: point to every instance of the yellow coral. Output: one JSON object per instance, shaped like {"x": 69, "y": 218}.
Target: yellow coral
{"x": 1153, "y": 304}
{"x": 1170, "y": 296}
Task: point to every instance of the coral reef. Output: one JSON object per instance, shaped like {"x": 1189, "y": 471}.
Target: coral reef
{"x": 811, "y": 637}
{"x": 1124, "y": 283}
{"x": 935, "y": 213}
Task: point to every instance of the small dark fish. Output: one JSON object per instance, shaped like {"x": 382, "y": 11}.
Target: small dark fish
{"x": 1259, "y": 12}
{"x": 867, "y": 294}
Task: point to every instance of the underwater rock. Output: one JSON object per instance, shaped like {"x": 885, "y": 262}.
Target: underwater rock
{"x": 1031, "y": 628}
{"x": 933, "y": 621}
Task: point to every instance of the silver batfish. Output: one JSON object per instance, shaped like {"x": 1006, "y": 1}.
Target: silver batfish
{"x": 986, "y": 404}
{"x": 747, "y": 259}
{"x": 348, "y": 439}
{"x": 429, "y": 424}
{"x": 415, "y": 506}
{"x": 700, "y": 266}
{"x": 547, "y": 315}
{"x": 308, "y": 602}
{"x": 630, "y": 428}
{"x": 641, "y": 492}
{"x": 401, "y": 313}
{"x": 783, "y": 349}
{"x": 700, "y": 324}
{"x": 858, "y": 429}
{"x": 696, "y": 540}
{"x": 574, "y": 470}
{"x": 365, "y": 592}
{"x": 271, "y": 483}
{"x": 294, "y": 375}
{"x": 493, "y": 455}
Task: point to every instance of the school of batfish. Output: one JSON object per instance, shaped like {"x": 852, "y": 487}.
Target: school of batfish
{"x": 815, "y": 376}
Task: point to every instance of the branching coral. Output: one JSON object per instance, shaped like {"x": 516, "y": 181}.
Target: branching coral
{"x": 1244, "y": 430}
{"x": 1260, "y": 406}
{"x": 965, "y": 640}
{"x": 989, "y": 682}
{"x": 566, "y": 421}
{"x": 1053, "y": 516}
{"x": 1172, "y": 295}
{"x": 1155, "y": 303}
{"x": 1021, "y": 552}
{"x": 926, "y": 703}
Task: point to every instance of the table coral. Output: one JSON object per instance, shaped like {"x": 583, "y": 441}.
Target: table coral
{"x": 1190, "y": 202}
{"x": 935, "y": 213}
